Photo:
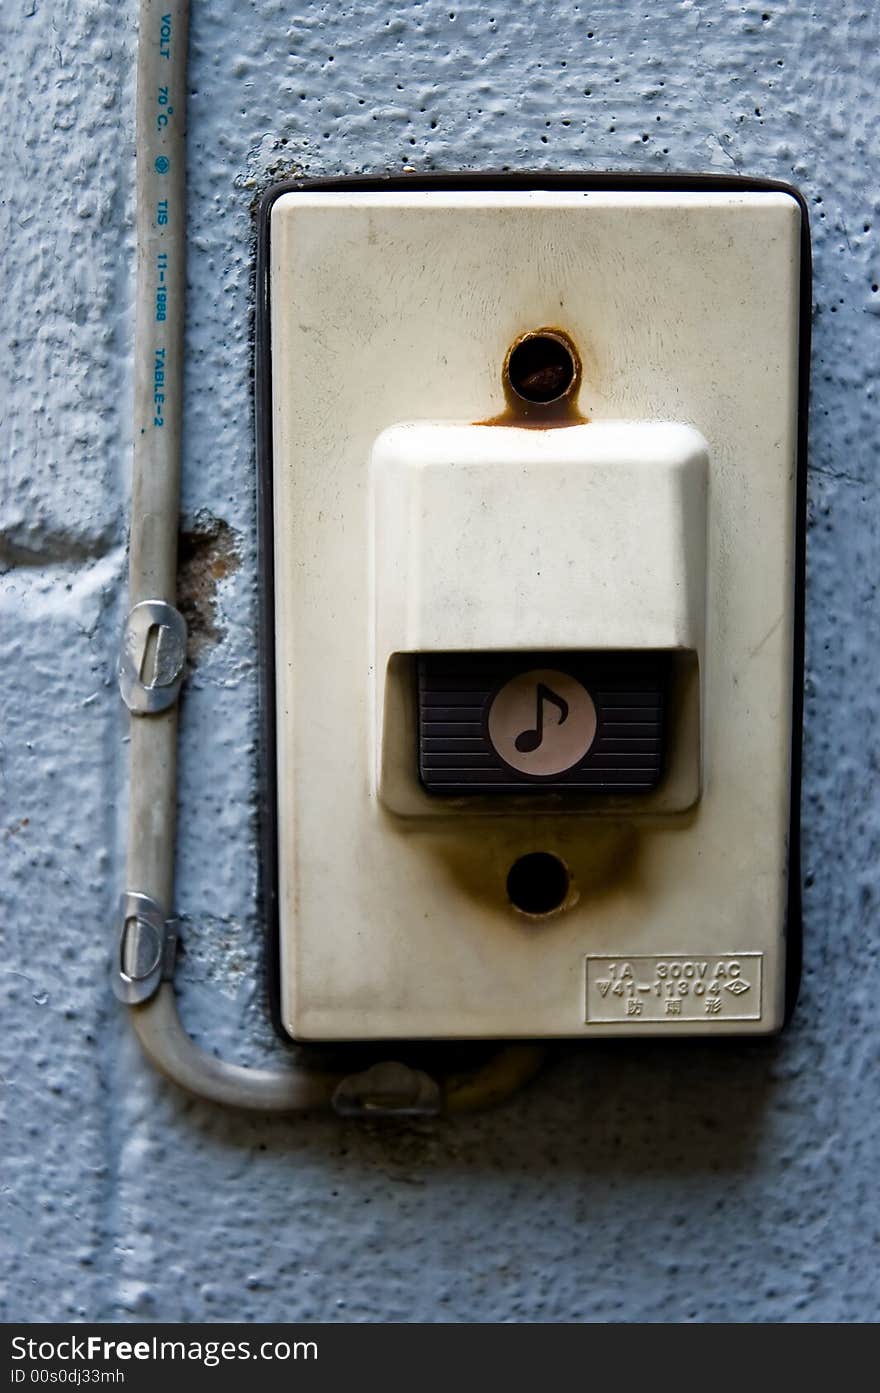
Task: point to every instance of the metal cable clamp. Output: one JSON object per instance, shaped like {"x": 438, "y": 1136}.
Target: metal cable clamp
{"x": 147, "y": 947}
{"x": 152, "y": 657}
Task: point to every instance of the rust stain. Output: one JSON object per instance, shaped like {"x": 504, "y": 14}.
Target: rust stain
{"x": 563, "y": 410}
{"x": 537, "y": 416}
{"x": 604, "y": 863}
{"x": 207, "y": 554}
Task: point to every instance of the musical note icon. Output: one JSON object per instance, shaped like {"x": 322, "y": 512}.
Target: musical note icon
{"x": 541, "y": 722}
{"x": 529, "y": 739}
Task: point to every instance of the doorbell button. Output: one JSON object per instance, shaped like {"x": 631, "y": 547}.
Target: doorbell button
{"x": 538, "y": 723}
{"x": 542, "y": 722}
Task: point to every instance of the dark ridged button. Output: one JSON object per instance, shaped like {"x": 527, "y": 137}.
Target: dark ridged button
{"x": 514, "y": 723}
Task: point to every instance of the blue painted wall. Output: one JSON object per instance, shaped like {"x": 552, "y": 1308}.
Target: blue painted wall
{"x": 687, "y": 1183}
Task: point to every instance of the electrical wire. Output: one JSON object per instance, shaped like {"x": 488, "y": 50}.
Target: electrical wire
{"x": 158, "y": 391}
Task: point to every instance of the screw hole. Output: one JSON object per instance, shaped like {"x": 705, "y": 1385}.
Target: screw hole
{"x": 538, "y": 883}
{"x": 542, "y": 366}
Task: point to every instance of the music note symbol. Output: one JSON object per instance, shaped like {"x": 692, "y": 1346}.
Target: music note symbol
{"x": 529, "y": 740}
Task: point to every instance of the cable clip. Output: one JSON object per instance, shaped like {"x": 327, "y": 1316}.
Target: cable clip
{"x": 389, "y": 1089}
{"x": 146, "y": 950}
{"x": 152, "y": 657}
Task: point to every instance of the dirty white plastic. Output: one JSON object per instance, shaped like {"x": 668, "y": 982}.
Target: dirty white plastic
{"x": 399, "y": 308}
{"x": 503, "y": 538}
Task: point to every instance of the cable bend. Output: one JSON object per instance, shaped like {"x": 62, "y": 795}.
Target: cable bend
{"x": 386, "y": 1090}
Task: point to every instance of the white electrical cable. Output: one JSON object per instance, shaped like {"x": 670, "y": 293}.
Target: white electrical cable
{"x": 158, "y": 389}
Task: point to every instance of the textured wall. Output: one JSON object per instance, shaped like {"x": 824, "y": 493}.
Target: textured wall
{"x": 685, "y": 1183}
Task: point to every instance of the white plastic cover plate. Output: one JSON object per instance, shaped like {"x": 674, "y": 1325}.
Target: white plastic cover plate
{"x": 665, "y": 522}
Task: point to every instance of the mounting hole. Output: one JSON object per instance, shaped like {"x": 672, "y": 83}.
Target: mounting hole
{"x": 537, "y": 883}
{"x": 542, "y": 366}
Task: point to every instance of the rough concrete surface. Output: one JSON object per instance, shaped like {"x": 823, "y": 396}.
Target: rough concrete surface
{"x": 632, "y": 1181}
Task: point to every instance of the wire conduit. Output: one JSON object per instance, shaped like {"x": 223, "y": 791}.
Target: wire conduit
{"x": 385, "y": 1089}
